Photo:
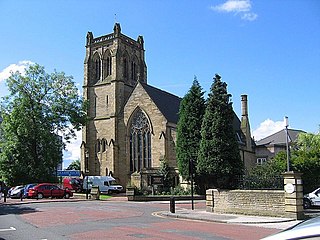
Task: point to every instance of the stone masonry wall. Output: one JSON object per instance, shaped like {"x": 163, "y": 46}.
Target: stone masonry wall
{"x": 249, "y": 202}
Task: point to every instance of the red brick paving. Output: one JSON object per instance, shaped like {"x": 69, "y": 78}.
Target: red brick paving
{"x": 167, "y": 230}
{"x": 67, "y": 215}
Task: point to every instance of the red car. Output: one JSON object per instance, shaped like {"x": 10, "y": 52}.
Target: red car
{"x": 45, "y": 190}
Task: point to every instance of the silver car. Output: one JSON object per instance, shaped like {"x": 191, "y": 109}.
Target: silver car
{"x": 312, "y": 199}
{"x": 308, "y": 229}
{"x": 16, "y": 192}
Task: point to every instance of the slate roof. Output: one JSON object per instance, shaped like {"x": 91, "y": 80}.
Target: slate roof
{"x": 167, "y": 103}
{"x": 279, "y": 138}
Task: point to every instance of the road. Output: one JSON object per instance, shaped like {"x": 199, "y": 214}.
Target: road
{"x": 112, "y": 220}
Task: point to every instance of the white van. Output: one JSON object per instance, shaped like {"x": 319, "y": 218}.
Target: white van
{"x": 106, "y": 184}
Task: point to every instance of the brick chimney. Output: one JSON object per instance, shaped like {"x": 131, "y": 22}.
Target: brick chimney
{"x": 245, "y": 125}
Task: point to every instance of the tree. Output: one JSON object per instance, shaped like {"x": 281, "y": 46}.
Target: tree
{"x": 219, "y": 162}
{"x": 306, "y": 159}
{"x": 192, "y": 108}
{"x": 164, "y": 170}
{"x": 40, "y": 112}
{"x": 74, "y": 165}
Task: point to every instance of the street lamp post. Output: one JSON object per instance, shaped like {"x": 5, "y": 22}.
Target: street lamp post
{"x": 287, "y": 142}
{"x": 87, "y": 172}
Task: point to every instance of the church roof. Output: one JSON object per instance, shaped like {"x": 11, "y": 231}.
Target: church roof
{"x": 167, "y": 103}
{"x": 279, "y": 138}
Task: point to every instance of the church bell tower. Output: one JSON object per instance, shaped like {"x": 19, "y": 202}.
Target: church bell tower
{"x": 113, "y": 65}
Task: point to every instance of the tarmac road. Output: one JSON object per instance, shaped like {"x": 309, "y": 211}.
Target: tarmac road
{"x": 115, "y": 219}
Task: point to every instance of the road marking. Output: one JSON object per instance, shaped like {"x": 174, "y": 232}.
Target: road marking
{"x": 8, "y": 229}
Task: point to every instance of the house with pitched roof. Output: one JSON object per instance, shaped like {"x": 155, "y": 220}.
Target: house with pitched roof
{"x": 132, "y": 125}
{"x": 269, "y": 146}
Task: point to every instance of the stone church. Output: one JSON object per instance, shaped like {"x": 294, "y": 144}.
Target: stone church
{"x": 132, "y": 125}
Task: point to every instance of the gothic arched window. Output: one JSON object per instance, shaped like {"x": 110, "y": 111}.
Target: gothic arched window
{"x": 107, "y": 65}
{"x": 133, "y": 71}
{"x": 140, "y": 142}
{"x": 96, "y": 67}
{"x": 125, "y": 68}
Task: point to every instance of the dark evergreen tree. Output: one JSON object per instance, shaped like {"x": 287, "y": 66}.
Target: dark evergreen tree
{"x": 219, "y": 163}
{"x": 191, "y": 113}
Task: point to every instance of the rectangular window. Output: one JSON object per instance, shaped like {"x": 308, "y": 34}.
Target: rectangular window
{"x": 261, "y": 160}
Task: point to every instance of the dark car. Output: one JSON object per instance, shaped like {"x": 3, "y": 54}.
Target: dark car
{"x": 46, "y": 190}
{"x": 26, "y": 189}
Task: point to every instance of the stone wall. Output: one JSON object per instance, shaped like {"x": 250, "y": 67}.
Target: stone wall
{"x": 249, "y": 202}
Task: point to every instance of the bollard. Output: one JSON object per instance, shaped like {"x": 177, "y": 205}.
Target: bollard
{"x": 172, "y": 205}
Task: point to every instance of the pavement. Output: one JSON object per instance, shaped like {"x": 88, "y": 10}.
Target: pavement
{"x": 202, "y": 215}
{"x": 188, "y": 214}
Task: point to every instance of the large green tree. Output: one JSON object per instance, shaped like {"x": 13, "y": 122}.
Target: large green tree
{"x": 40, "y": 112}
{"x": 219, "y": 162}
{"x": 305, "y": 158}
{"x": 192, "y": 108}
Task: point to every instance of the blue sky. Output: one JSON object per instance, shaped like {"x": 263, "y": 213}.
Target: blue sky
{"x": 269, "y": 50}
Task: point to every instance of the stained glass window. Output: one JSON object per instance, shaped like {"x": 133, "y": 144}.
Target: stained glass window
{"x": 140, "y": 142}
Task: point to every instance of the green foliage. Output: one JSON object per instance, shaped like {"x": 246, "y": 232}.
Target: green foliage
{"x": 306, "y": 159}
{"x": 74, "y": 165}
{"x": 267, "y": 175}
{"x": 219, "y": 163}
{"x": 191, "y": 113}
{"x": 180, "y": 191}
{"x": 164, "y": 170}
{"x": 39, "y": 109}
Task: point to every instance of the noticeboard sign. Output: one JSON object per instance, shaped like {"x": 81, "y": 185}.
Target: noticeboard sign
{"x": 68, "y": 173}
{"x": 157, "y": 180}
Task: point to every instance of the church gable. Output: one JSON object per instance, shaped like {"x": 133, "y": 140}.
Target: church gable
{"x": 167, "y": 103}
{"x": 139, "y": 98}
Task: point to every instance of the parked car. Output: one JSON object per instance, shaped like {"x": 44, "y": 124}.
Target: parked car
{"x": 309, "y": 229}
{"x": 312, "y": 199}
{"x": 9, "y": 191}
{"x": 46, "y": 190}
{"x": 26, "y": 189}
{"x": 74, "y": 184}
{"x": 16, "y": 192}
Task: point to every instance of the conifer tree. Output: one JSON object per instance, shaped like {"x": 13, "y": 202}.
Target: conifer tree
{"x": 192, "y": 108}
{"x": 219, "y": 163}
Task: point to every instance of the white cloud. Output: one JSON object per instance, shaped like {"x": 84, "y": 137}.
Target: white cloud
{"x": 20, "y": 67}
{"x": 237, "y": 6}
{"x": 72, "y": 151}
{"x": 233, "y": 6}
{"x": 249, "y": 16}
{"x": 267, "y": 128}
